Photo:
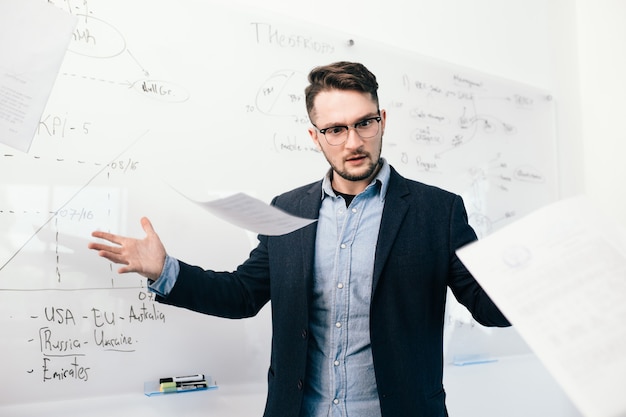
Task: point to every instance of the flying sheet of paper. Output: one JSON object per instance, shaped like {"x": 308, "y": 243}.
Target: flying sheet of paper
{"x": 254, "y": 215}
{"x": 34, "y": 36}
{"x": 559, "y": 275}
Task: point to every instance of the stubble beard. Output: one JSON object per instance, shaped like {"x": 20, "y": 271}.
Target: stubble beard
{"x": 373, "y": 166}
{"x": 371, "y": 170}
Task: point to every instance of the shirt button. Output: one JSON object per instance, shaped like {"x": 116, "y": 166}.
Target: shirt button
{"x": 340, "y": 285}
{"x": 335, "y": 401}
{"x": 354, "y": 210}
{"x": 336, "y": 363}
{"x": 338, "y": 325}
{"x": 343, "y": 246}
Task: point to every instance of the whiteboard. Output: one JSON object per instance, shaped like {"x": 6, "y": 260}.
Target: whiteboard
{"x": 209, "y": 100}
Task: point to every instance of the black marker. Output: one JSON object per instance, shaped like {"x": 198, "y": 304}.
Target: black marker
{"x": 188, "y": 378}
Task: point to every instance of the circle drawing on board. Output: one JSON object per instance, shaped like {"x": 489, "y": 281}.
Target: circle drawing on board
{"x": 281, "y": 94}
{"x": 96, "y": 38}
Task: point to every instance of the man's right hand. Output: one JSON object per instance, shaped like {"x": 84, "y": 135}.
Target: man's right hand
{"x": 145, "y": 256}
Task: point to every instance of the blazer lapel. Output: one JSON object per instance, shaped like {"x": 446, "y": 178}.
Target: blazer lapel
{"x": 393, "y": 215}
{"x": 310, "y": 209}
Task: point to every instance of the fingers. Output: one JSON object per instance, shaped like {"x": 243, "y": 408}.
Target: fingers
{"x": 107, "y": 236}
{"x": 112, "y": 253}
{"x": 113, "y": 257}
{"x": 102, "y": 247}
{"x": 144, "y": 256}
{"x": 124, "y": 269}
{"x": 147, "y": 226}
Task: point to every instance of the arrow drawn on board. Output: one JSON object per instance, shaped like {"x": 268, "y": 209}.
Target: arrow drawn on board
{"x": 69, "y": 200}
{"x": 146, "y": 73}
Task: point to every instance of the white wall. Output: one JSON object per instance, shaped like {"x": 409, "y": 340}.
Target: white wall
{"x": 602, "y": 67}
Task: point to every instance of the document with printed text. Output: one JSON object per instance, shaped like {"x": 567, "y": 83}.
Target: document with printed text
{"x": 254, "y": 215}
{"x": 559, "y": 275}
{"x": 34, "y": 36}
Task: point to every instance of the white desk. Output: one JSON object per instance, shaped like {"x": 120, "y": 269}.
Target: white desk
{"x": 516, "y": 386}
{"x": 241, "y": 400}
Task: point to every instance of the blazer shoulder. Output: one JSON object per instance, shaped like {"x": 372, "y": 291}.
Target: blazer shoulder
{"x": 303, "y": 201}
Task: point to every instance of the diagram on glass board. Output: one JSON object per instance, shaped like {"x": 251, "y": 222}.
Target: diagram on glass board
{"x": 73, "y": 179}
{"x": 483, "y": 138}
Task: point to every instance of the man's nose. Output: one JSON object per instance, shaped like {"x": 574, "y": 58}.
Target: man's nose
{"x": 354, "y": 140}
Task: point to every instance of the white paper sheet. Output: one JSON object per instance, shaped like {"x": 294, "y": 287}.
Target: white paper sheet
{"x": 254, "y": 215}
{"x": 33, "y": 39}
{"x": 559, "y": 275}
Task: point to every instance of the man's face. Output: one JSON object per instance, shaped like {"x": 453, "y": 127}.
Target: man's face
{"x": 354, "y": 162}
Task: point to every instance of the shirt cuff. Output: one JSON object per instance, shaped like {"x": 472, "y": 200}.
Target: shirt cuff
{"x": 164, "y": 284}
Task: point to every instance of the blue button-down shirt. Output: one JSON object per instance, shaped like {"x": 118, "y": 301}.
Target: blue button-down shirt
{"x": 340, "y": 372}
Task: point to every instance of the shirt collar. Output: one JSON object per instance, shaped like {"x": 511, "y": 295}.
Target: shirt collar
{"x": 382, "y": 177}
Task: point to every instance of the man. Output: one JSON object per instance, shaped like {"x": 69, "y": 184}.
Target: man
{"x": 357, "y": 298}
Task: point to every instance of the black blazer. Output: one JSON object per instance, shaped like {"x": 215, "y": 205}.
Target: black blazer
{"x": 415, "y": 261}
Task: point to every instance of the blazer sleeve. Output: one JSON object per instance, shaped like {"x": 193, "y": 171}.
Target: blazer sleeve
{"x": 463, "y": 285}
{"x": 238, "y": 294}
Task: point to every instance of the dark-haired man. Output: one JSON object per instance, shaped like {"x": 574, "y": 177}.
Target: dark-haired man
{"x": 358, "y": 298}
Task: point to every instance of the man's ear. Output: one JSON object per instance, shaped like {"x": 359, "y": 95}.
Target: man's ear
{"x": 314, "y": 136}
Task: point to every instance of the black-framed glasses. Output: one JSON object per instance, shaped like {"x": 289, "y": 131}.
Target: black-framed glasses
{"x": 337, "y": 135}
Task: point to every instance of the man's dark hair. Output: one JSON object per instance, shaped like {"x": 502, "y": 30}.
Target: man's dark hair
{"x": 340, "y": 76}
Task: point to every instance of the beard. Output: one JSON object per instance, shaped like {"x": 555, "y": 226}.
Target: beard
{"x": 371, "y": 169}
